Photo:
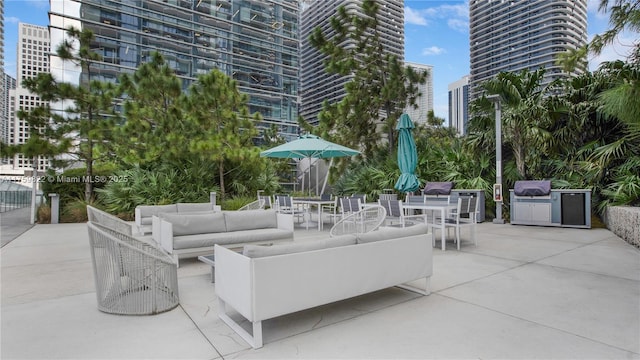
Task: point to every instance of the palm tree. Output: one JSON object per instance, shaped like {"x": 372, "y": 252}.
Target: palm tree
{"x": 525, "y": 115}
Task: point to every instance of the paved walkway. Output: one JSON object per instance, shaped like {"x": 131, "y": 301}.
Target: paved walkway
{"x": 13, "y": 224}
{"x": 522, "y": 293}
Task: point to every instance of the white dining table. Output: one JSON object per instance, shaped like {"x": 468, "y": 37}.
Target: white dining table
{"x": 443, "y": 208}
{"x": 318, "y": 203}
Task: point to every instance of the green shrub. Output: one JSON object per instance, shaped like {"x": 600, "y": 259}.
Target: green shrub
{"x": 70, "y": 184}
{"x": 44, "y": 214}
{"x": 155, "y": 187}
{"x": 236, "y": 202}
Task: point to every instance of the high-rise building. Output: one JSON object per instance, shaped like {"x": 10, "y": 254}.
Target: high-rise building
{"x": 2, "y": 35}
{"x": 8, "y": 84}
{"x": 425, "y": 100}
{"x": 508, "y": 35}
{"x": 255, "y": 42}
{"x": 459, "y": 105}
{"x": 32, "y": 57}
{"x": 317, "y": 85}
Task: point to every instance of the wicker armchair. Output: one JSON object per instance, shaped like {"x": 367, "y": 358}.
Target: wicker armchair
{"x": 132, "y": 277}
{"x": 99, "y": 217}
{"x": 360, "y": 222}
{"x": 254, "y": 205}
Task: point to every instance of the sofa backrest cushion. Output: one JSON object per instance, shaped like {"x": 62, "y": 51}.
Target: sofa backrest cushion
{"x": 386, "y": 233}
{"x": 250, "y": 219}
{"x": 190, "y": 207}
{"x": 196, "y": 223}
{"x": 256, "y": 251}
{"x": 150, "y": 210}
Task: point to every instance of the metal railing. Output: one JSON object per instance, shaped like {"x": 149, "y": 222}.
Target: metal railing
{"x": 14, "y": 196}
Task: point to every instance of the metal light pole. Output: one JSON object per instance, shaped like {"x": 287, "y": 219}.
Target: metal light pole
{"x": 498, "y": 195}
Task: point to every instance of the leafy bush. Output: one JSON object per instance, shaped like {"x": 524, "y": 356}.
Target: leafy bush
{"x": 76, "y": 211}
{"x": 236, "y": 202}
{"x": 70, "y": 184}
{"x": 164, "y": 185}
{"x": 44, "y": 214}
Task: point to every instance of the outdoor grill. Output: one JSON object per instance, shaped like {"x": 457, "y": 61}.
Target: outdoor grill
{"x": 534, "y": 202}
{"x": 538, "y": 188}
{"x": 438, "y": 188}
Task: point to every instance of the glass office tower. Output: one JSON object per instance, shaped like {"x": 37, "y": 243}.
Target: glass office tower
{"x": 508, "y": 35}
{"x": 255, "y": 42}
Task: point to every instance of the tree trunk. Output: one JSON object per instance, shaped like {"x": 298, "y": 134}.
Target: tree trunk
{"x": 519, "y": 153}
{"x": 221, "y": 176}
{"x": 88, "y": 185}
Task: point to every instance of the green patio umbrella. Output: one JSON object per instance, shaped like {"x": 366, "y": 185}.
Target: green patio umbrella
{"x": 309, "y": 146}
{"x": 407, "y": 156}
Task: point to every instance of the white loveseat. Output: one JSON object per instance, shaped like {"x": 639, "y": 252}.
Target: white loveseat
{"x": 269, "y": 281}
{"x": 193, "y": 234}
{"x": 144, "y": 213}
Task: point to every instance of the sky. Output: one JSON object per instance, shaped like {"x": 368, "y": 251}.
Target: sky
{"x": 436, "y": 33}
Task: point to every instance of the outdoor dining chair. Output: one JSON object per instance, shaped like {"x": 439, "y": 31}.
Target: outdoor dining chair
{"x": 268, "y": 203}
{"x": 360, "y": 222}
{"x": 395, "y": 212}
{"x": 350, "y": 205}
{"x": 385, "y": 196}
{"x": 362, "y": 197}
{"x": 329, "y": 210}
{"x": 465, "y": 215}
{"x": 285, "y": 205}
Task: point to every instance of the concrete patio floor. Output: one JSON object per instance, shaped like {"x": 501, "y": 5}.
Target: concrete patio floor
{"x": 523, "y": 292}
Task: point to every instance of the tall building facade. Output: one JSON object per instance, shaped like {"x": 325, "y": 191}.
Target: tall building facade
{"x": 515, "y": 35}
{"x": 32, "y": 57}
{"x": 459, "y": 105}
{"x": 425, "y": 100}
{"x": 254, "y": 42}
{"x": 318, "y": 86}
{"x": 2, "y": 35}
{"x": 6, "y": 113}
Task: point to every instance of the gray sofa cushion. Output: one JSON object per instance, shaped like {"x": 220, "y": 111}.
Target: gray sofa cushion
{"x": 200, "y": 223}
{"x": 230, "y": 238}
{"x": 256, "y": 251}
{"x": 191, "y": 207}
{"x": 250, "y": 219}
{"x": 386, "y": 233}
{"x": 147, "y": 211}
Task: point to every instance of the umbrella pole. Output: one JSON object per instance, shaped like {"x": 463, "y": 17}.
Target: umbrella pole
{"x": 309, "y": 186}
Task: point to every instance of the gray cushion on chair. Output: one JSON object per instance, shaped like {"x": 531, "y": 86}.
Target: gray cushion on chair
{"x": 250, "y": 219}
{"x": 256, "y": 251}
{"x": 386, "y": 233}
{"x": 201, "y": 223}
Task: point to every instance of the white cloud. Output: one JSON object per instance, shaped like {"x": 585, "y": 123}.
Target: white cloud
{"x": 620, "y": 49}
{"x": 40, "y": 4}
{"x": 460, "y": 10}
{"x": 433, "y": 50}
{"x": 414, "y": 17}
{"x": 593, "y": 7}
{"x": 457, "y": 15}
{"x": 11, "y": 20}
{"x": 458, "y": 25}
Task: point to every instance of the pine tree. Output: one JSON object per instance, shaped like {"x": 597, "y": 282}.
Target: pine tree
{"x": 380, "y": 83}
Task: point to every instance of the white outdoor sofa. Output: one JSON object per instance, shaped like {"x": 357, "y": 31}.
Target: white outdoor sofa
{"x": 145, "y": 213}
{"x": 264, "y": 282}
{"x": 194, "y": 234}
